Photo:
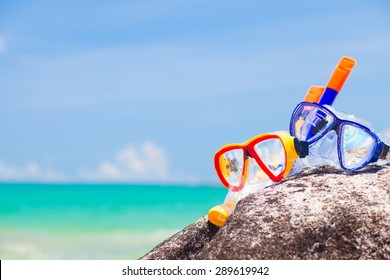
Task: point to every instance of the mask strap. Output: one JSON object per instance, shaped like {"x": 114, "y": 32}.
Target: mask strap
{"x": 302, "y": 148}
{"x": 385, "y": 154}
{"x": 319, "y": 126}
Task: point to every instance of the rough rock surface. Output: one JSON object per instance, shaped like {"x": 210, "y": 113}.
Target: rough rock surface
{"x": 322, "y": 213}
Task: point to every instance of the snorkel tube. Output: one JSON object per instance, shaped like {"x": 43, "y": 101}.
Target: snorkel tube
{"x": 314, "y": 94}
{"x": 218, "y": 215}
{"x": 327, "y": 95}
{"x": 337, "y": 80}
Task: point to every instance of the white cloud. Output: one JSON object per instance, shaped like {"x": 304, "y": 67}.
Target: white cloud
{"x": 3, "y": 44}
{"x": 31, "y": 171}
{"x": 145, "y": 163}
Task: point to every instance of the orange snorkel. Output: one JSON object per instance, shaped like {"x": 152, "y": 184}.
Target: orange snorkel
{"x": 327, "y": 95}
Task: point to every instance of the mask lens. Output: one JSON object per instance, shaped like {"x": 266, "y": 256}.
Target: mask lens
{"x": 272, "y": 154}
{"x": 357, "y": 146}
{"x": 310, "y": 122}
{"x": 232, "y": 164}
{"x": 256, "y": 175}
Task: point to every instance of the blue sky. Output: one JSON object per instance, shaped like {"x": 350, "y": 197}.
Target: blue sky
{"x": 146, "y": 91}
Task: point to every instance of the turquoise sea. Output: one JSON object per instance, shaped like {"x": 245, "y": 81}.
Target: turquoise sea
{"x": 102, "y": 221}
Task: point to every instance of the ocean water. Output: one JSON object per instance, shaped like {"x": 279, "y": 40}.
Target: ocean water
{"x": 83, "y": 221}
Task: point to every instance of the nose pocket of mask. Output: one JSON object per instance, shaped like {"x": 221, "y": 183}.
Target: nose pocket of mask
{"x": 328, "y": 146}
{"x": 256, "y": 174}
{"x": 324, "y": 151}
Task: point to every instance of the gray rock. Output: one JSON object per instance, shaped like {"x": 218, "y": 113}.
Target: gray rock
{"x": 322, "y": 213}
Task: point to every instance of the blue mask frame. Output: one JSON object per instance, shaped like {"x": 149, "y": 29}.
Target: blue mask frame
{"x": 321, "y": 127}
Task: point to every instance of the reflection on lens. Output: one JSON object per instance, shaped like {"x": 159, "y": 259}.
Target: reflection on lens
{"x": 255, "y": 175}
{"x": 271, "y": 152}
{"x": 310, "y": 122}
{"x": 357, "y": 146}
{"x": 232, "y": 164}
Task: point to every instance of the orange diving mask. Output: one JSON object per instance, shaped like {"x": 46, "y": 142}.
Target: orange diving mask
{"x": 269, "y": 155}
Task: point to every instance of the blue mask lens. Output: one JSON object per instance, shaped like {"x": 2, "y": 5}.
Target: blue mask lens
{"x": 357, "y": 146}
{"x": 310, "y": 123}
